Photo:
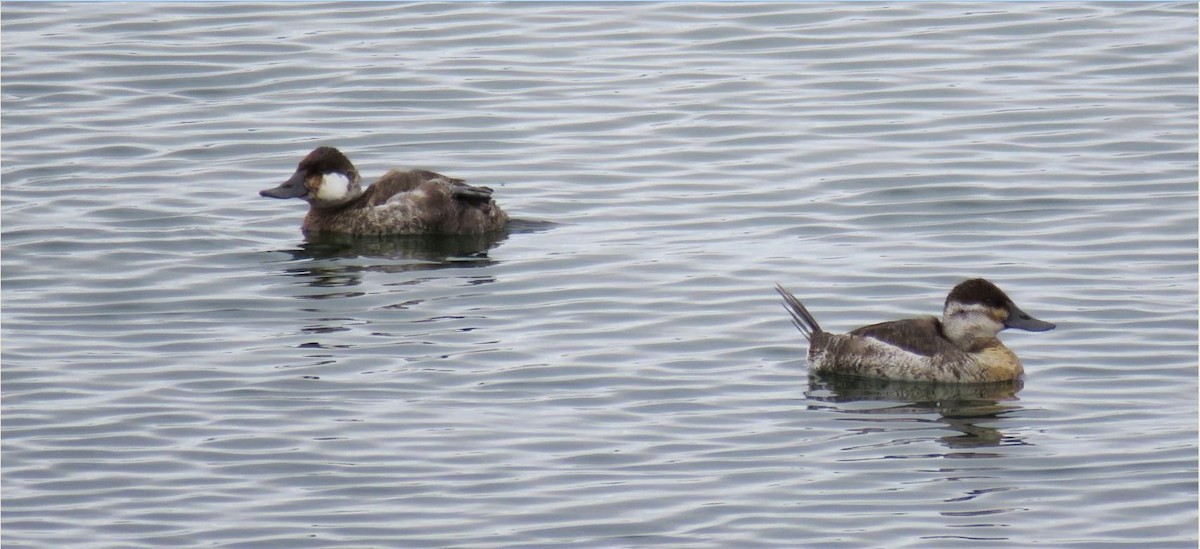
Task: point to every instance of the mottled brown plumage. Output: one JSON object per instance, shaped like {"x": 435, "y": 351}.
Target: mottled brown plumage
{"x": 400, "y": 202}
{"x": 960, "y": 347}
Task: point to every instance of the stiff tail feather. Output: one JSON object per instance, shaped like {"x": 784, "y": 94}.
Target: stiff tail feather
{"x": 804, "y": 320}
{"x": 471, "y": 194}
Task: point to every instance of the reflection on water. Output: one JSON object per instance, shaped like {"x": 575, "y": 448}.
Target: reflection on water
{"x": 422, "y": 251}
{"x": 334, "y": 260}
{"x": 959, "y": 406}
{"x": 341, "y": 260}
{"x": 620, "y": 382}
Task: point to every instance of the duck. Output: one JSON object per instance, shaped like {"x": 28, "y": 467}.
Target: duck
{"x": 960, "y": 347}
{"x": 402, "y": 202}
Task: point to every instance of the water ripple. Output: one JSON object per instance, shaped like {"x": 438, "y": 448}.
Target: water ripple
{"x": 181, "y": 368}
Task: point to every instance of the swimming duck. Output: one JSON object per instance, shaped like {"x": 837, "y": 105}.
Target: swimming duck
{"x": 400, "y": 202}
{"x": 961, "y": 347}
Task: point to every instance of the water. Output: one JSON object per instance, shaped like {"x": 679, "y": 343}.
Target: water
{"x": 181, "y": 368}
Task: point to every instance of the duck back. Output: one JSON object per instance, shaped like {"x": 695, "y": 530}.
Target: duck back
{"x": 413, "y": 202}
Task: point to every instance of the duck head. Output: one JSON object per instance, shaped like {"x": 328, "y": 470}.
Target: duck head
{"x": 978, "y": 310}
{"x": 323, "y": 178}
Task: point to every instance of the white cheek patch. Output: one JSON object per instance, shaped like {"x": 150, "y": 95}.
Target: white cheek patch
{"x": 334, "y": 186}
{"x": 970, "y": 321}
{"x": 960, "y": 309}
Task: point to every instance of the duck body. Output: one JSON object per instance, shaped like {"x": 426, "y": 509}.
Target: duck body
{"x": 402, "y": 202}
{"x": 960, "y": 347}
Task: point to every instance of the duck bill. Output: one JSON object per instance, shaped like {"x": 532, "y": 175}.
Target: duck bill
{"x": 1022, "y": 320}
{"x": 292, "y": 188}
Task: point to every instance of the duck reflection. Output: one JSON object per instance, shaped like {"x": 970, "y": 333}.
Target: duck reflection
{"x": 959, "y": 406}
{"x": 431, "y": 251}
{"x": 341, "y": 260}
{"x": 335, "y": 260}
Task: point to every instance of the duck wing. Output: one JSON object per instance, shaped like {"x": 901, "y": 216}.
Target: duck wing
{"x": 459, "y": 189}
{"x": 393, "y": 183}
{"x": 922, "y": 336}
{"x": 396, "y": 182}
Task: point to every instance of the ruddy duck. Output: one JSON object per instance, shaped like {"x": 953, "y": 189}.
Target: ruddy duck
{"x": 400, "y": 202}
{"x": 960, "y": 347}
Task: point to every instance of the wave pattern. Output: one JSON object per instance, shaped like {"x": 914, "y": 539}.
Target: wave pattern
{"x": 180, "y": 368}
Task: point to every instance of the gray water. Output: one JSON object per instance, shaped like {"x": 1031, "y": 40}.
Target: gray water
{"x": 181, "y": 368}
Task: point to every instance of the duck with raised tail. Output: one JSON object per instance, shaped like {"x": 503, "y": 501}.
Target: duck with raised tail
{"x": 960, "y": 347}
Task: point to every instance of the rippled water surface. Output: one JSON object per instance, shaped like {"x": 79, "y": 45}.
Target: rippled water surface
{"x": 181, "y": 368}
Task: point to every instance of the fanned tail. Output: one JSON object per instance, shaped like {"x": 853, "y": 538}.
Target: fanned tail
{"x": 801, "y": 318}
